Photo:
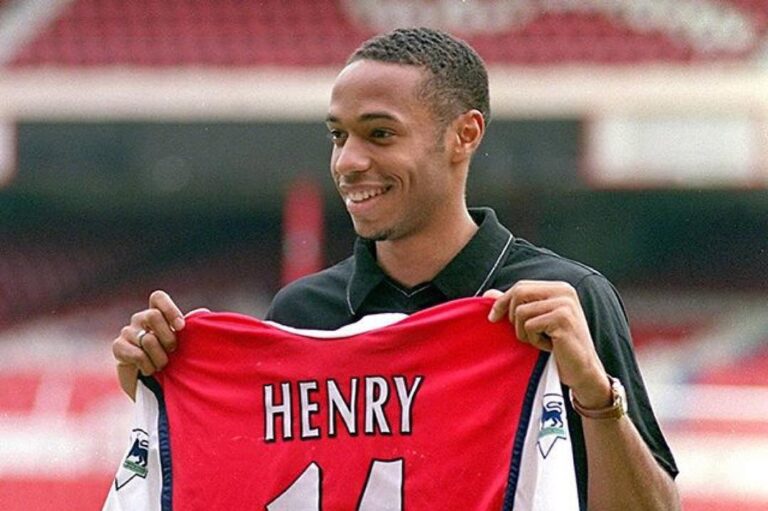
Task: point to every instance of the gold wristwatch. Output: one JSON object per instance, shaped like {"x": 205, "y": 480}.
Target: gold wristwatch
{"x": 616, "y": 410}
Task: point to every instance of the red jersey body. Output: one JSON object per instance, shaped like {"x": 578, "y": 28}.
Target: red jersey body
{"x": 431, "y": 412}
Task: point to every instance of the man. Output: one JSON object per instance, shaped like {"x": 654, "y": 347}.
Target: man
{"x": 406, "y": 115}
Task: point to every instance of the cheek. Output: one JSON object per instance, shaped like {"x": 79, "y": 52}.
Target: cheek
{"x": 332, "y": 166}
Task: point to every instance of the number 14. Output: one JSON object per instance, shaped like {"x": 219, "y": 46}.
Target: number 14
{"x": 383, "y": 489}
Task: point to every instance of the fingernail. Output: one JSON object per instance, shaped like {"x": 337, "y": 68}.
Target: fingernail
{"x": 178, "y": 324}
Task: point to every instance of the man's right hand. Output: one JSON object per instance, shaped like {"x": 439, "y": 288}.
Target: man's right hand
{"x": 149, "y": 354}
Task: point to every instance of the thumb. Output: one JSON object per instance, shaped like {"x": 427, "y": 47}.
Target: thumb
{"x": 128, "y": 376}
{"x": 492, "y": 293}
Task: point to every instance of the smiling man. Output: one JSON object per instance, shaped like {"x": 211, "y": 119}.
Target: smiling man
{"x": 406, "y": 115}
{"x": 400, "y": 170}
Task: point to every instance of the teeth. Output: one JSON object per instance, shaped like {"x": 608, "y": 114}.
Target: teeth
{"x": 364, "y": 195}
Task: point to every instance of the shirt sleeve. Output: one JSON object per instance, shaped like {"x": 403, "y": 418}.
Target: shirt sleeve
{"x": 139, "y": 477}
{"x": 610, "y": 331}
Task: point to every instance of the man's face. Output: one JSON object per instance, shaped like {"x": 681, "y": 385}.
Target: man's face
{"x": 388, "y": 162}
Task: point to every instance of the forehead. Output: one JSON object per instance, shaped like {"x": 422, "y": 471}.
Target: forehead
{"x": 367, "y": 86}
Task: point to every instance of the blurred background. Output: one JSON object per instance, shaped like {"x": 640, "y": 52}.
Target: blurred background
{"x": 179, "y": 144}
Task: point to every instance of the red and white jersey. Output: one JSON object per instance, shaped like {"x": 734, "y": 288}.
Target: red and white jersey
{"x": 438, "y": 410}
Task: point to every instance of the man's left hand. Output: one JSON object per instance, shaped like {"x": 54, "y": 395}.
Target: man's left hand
{"x": 548, "y": 315}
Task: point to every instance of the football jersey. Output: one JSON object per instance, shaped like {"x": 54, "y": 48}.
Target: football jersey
{"x": 441, "y": 409}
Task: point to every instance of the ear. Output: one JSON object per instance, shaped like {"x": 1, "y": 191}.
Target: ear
{"x": 467, "y": 132}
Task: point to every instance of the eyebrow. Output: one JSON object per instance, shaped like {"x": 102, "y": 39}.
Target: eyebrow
{"x": 371, "y": 116}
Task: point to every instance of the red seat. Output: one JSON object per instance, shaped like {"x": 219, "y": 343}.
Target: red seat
{"x": 319, "y": 32}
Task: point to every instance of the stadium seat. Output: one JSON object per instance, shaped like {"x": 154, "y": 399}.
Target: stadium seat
{"x": 155, "y": 33}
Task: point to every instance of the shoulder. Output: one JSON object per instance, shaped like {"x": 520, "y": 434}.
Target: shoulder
{"x": 528, "y": 261}
{"x": 334, "y": 277}
{"x": 306, "y": 301}
{"x": 599, "y": 299}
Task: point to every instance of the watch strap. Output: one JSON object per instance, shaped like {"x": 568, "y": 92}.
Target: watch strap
{"x": 616, "y": 410}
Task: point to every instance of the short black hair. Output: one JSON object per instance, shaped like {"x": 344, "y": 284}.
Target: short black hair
{"x": 458, "y": 79}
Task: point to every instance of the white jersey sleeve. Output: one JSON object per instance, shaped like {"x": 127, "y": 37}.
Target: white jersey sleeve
{"x": 138, "y": 482}
{"x": 547, "y": 476}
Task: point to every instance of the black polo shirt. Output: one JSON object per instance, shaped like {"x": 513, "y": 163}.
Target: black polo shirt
{"x": 493, "y": 259}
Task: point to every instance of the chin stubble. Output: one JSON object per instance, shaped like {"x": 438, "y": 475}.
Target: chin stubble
{"x": 379, "y": 236}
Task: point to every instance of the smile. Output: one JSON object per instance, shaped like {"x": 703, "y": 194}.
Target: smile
{"x": 358, "y": 196}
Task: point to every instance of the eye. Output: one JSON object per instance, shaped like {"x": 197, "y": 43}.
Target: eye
{"x": 380, "y": 133}
{"x": 336, "y": 136}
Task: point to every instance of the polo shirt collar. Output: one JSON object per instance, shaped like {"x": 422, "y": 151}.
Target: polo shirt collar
{"x": 366, "y": 274}
{"x": 468, "y": 274}
{"x": 474, "y": 267}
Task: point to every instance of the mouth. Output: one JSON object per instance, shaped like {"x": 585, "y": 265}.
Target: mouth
{"x": 359, "y": 197}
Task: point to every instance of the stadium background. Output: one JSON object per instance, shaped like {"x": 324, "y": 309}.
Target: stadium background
{"x": 179, "y": 144}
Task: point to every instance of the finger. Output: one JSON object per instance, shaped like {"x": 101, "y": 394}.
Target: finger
{"x": 542, "y": 329}
{"x": 492, "y": 293}
{"x": 128, "y": 376}
{"x": 523, "y": 313}
{"x": 500, "y": 307}
{"x": 563, "y": 314}
{"x": 537, "y": 336}
{"x": 516, "y": 313}
{"x": 156, "y": 322}
{"x": 162, "y": 301}
{"x": 128, "y": 353}
{"x": 154, "y": 350}
{"x": 529, "y": 310}
{"x": 532, "y": 290}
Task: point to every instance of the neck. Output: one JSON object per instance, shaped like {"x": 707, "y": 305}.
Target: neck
{"x": 419, "y": 258}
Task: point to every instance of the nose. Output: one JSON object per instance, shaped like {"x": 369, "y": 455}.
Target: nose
{"x": 350, "y": 157}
